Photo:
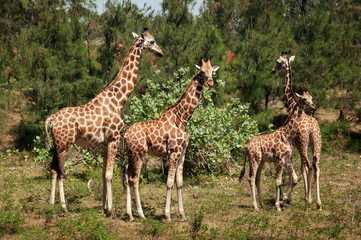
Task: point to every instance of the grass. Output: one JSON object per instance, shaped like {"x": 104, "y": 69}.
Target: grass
{"x": 216, "y": 207}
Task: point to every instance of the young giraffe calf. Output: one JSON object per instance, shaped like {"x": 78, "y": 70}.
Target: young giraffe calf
{"x": 275, "y": 147}
{"x": 165, "y": 136}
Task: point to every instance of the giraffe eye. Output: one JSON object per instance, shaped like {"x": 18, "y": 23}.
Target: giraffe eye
{"x": 152, "y": 42}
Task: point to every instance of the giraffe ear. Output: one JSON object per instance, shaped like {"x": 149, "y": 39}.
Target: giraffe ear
{"x": 292, "y": 58}
{"x": 298, "y": 95}
{"x": 215, "y": 68}
{"x": 135, "y": 35}
{"x": 198, "y": 67}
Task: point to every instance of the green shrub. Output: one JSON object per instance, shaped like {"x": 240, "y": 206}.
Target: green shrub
{"x": 218, "y": 135}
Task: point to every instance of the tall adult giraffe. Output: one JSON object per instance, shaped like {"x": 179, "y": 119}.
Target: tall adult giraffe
{"x": 165, "y": 136}
{"x": 308, "y": 132}
{"x": 97, "y": 123}
{"x": 275, "y": 147}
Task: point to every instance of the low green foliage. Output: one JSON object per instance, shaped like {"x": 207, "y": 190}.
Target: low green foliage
{"x": 10, "y": 222}
{"x": 84, "y": 226}
{"x": 42, "y": 153}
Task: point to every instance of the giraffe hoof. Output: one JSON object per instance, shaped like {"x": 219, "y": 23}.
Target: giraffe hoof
{"x": 108, "y": 213}
{"x": 319, "y": 208}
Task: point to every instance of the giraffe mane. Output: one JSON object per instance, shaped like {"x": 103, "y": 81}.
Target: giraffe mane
{"x": 293, "y": 94}
{"x": 125, "y": 62}
{"x": 290, "y": 114}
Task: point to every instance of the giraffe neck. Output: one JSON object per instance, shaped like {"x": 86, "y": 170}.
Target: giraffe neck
{"x": 118, "y": 91}
{"x": 184, "y": 107}
{"x": 288, "y": 95}
{"x": 293, "y": 121}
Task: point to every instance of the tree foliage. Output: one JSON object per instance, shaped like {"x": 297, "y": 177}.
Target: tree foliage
{"x": 61, "y": 53}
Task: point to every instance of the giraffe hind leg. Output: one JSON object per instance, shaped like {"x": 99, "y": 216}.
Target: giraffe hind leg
{"x": 57, "y": 174}
{"x": 316, "y": 179}
{"x": 134, "y": 168}
{"x": 54, "y": 174}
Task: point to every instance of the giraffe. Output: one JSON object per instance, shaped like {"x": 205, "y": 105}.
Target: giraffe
{"x": 308, "y": 131}
{"x": 165, "y": 136}
{"x": 97, "y": 123}
{"x": 275, "y": 147}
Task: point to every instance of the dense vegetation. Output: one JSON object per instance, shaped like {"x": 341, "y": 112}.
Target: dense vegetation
{"x": 60, "y": 53}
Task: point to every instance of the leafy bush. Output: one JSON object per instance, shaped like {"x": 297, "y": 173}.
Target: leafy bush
{"x": 217, "y": 134}
{"x": 88, "y": 157}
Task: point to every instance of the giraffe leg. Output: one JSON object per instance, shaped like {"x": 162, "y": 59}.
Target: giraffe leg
{"x": 105, "y": 159}
{"x": 316, "y": 168}
{"x": 253, "y": 166}
{"x": 258, "y": 183}
{"x": 134, "y": 167}
{"x": 306, "y": 172}
{"x": 136, "y": 188}
{"x": 108, "y": 176}
{"x": 62, "y": 155}
{"x": 61, "y": 193}
{"x": 57, "y": 174}
{"x": 293, "y": 179}
{"x": 180, "y": 185}
{"x": 316, "y": 148}
{"x": 173, "y": 162}
{"x": 53, "y": 185}
{"x": 279, "y": 169}
{"x": 129, "y": 198}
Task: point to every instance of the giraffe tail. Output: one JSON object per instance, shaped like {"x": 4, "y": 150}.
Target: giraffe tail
{"x": 55, "y": 164}
{"x": 48, "y": 126}
{"x": 244, "y": 168}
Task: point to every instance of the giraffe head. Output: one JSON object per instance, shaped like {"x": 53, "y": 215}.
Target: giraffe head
{"x": 148, "y": 42}
{"x": 282, "y": 62}
{"x": 206, "y": 72}
{"x": 306, "y": 99}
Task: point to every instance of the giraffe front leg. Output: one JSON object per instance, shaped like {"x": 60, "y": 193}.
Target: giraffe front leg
{"x": 179, "y": 187}
{"x": 108, "y": 176}
{"x": 258, "y": 183}
{"x": 173, "y": 161}
{"x": 293, "y": 180}
{"x": 279, "y": 170}
{"x": 105, "y": 160}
